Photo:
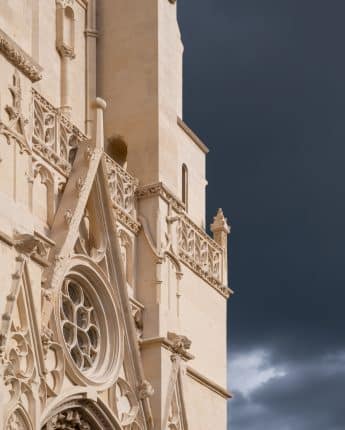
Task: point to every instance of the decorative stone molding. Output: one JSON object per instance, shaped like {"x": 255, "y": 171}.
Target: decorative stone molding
{"x": 15, "y": 130}
{"x": 192, "y": 135}
{"x": 69, "y": 420}
{"x": 64, "y": 3}
{"x": 127, "y": 403}
{"x": 20, "y": 59}
{"x": 18, "y": 420}
{"x": 159, "y": 189}
{"x": 54, "y": 138}
{"x": 137, "y": 312}
{"x": 78, "y": 412}
{"x": 34, "y": 245}
{"x": 126, "y": 220}
{"x": 122, "y": 186}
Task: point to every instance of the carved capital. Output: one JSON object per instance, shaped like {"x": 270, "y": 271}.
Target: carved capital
{"x": 65, "y": 51}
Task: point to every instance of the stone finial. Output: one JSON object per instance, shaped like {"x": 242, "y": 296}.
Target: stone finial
{"x": 220, "y": 229}
{"x": 220, "y": 223}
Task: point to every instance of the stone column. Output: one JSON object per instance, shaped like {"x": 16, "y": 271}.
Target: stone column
{"x": 66, "y": 105}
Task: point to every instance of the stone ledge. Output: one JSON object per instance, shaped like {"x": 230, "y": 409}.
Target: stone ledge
{"x": 192, "y": 135}
{"x": 208, "y": 383}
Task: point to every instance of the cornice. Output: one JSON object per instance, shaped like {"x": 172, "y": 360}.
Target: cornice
{"x": 208, "y": 383}
{"x": 159, "y": 189}
{"x": 19, "y": 58}
{"x": 192, "y": 135}
{"x": 126, "y": 220}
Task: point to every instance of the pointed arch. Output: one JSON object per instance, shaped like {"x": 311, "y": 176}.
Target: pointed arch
{"x": 83, "y": 404}
{"x": 19, "y": 419}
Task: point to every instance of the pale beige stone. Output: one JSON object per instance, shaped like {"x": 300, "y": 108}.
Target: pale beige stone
{"x": 113, "y": 297}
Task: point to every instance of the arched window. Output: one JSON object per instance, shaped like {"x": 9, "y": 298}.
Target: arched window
{"x": 185, "y": 186}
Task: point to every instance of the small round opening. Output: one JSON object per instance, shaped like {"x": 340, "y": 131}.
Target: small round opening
{"x": 117, "y": 149}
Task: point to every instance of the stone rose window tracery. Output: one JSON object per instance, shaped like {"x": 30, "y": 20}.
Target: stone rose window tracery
{"x": 80, "y": 325}
{"x": 89, "y": 328}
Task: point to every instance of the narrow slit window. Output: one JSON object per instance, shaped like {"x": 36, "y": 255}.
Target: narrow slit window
{"x": 185, "y": 186}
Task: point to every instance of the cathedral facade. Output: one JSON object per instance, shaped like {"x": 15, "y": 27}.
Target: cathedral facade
{"x": 113, "y": 297}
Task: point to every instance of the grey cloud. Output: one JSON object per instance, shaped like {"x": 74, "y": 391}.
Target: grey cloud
{"x": 265, "y": 88}
{"x": 308, "y": 397}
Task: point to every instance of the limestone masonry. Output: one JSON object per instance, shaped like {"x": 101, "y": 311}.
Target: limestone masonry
{"x": 113, "y": 297}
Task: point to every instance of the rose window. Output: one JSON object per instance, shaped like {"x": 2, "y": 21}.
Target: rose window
{"x": 80, "y": 325}
{"x": 89, "y": 328}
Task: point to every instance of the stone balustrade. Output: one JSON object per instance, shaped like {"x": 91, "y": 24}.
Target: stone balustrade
{"x": 199, "y": 252}
{"x": 122, "y": 191}
{"x": 54, "y": 137}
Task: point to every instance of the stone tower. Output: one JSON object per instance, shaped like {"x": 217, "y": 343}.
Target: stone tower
{"x": 113, "y": 298}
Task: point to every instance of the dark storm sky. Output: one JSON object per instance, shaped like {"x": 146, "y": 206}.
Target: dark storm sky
{"x": 265, "y": 89}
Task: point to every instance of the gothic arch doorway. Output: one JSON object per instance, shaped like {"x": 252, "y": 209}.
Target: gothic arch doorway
{"x": 81, "y": 414}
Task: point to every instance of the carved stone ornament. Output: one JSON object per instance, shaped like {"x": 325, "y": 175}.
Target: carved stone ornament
{"x": 145, "y": 390}
{"x": 159, "y": 189}
{"x": 180, "y": 344}
{"x": 15, "y": 129}
{"x": 66, "y": 51}
{"x": 69, "y": 420}
{"x": 54, "y": 138}
{"x": 64, "y": 3}
{"x": 20, "y": 59}
{"x": 126, "y": 401}
{"x": 30, "y": 244}
{"x": 17, "y": 421}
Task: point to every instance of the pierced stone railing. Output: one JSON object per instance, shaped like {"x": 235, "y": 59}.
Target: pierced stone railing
{"x": 54, "y": 137}
{"x": 122, "y": 190}
{"x": 199, "y": 252}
